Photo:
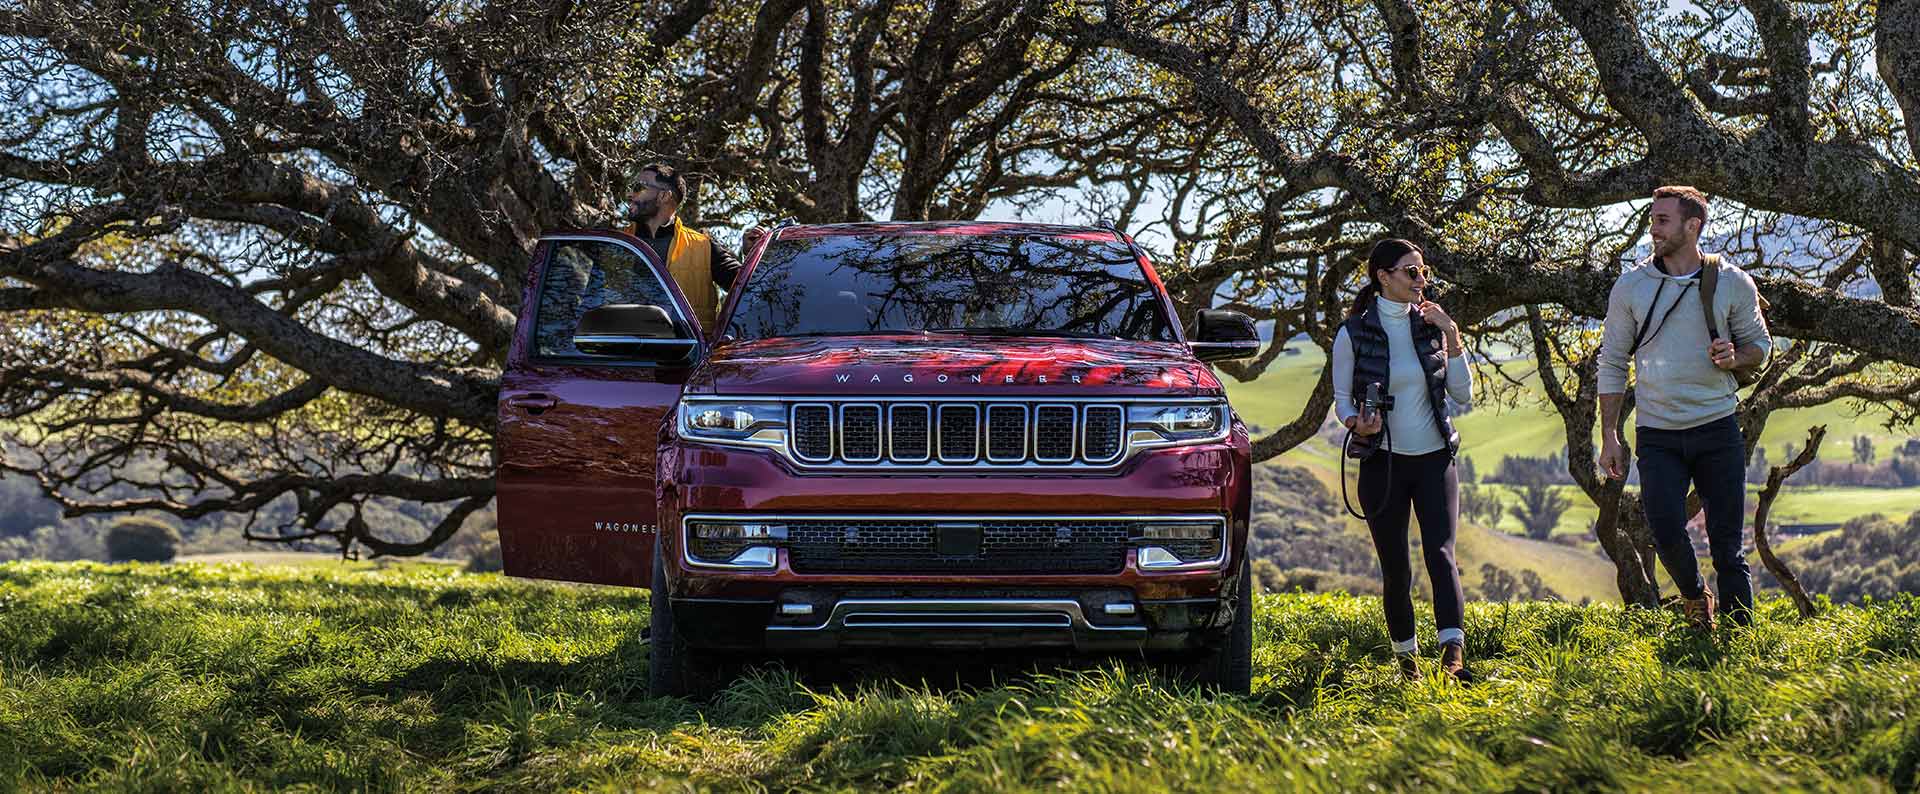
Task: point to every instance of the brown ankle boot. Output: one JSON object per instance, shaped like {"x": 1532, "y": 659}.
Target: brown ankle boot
{"x": 1408, "y": 670}
{"x": 1700, "y": 611}
{"x": 1453, "y": 660}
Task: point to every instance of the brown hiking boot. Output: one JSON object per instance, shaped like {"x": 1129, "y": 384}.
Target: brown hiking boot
{"x": 1700, "y": 611}
{"x": 1408, "y": 669}
{"x": 1453, "y": 660}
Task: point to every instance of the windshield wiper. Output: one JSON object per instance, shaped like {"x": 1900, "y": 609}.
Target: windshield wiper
{"x": 988, "y": 331}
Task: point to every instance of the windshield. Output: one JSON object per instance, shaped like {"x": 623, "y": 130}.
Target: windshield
{"x": 1010, "y": 284}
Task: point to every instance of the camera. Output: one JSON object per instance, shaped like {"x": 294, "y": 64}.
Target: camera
{"x": 1374, "y": 403}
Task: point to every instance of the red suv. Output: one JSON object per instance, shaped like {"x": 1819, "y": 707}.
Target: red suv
{"x": 926, "y": 435}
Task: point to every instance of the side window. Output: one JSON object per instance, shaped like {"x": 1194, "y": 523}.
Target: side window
{"x": 583, "y": 275}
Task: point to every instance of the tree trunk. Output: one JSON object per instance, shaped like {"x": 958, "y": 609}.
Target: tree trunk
{"x": 1775, "y": 478}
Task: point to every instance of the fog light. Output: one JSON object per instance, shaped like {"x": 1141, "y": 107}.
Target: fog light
{"x": 733, "y": 531}
{"x": 1203, "y": 531}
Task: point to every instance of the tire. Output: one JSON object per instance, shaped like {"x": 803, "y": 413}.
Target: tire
{"x": 1228, "y": 667}
{"x": 674, "y": 668}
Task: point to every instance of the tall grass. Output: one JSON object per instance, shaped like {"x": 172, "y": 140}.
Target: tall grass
{"x": 232, "y": 678}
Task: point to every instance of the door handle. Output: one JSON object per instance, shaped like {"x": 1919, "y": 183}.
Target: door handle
{"x": 533, "y": 403}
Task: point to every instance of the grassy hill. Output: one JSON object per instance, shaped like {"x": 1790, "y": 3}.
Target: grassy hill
{"x": 1492, "y": 431}
{"x": 1573, "y": 573}
{"x": 229, "y": 677}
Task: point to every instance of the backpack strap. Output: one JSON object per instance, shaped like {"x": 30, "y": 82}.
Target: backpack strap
{"x": 1709, "y": 279}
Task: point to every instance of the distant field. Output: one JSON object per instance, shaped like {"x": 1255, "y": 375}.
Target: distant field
{"x": 1491, "y": 432}
{"x": 1573, "y": 573}
{"x": 1830, "y": 503}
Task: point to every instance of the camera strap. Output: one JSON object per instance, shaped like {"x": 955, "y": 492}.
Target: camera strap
{"x": 1649, "y": 331}
{"x": 1347, "y": 451}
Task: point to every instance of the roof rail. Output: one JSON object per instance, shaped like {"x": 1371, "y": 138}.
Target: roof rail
{"x": 784, "y": 222}
{"x": 1109, "y": 225}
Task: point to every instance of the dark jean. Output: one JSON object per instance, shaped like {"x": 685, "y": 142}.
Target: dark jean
{"x": 1428, "y": 487}
{"x": 1712, "y": 458}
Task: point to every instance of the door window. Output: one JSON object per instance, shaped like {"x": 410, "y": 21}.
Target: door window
{"x": 583, "y": 275}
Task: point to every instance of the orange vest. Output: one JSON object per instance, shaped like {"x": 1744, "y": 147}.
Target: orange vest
{"x": 690, "y": 262}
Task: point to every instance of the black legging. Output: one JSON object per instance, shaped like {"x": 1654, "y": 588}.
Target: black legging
{"x": 1430, "y": 486}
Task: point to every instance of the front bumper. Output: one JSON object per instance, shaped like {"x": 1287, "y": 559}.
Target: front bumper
{"x": 824, "y": 619}
{"x": 1202, "y": 481}
{"x": 763, "y": 609}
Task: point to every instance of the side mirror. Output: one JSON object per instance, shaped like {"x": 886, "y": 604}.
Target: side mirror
{"x": 1221, "y": 334}
{"x": 633, "y": 331}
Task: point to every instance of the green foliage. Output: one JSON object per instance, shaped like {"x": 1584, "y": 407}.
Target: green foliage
{"x": 191, "y": 677}
{"x": 1299, "y": 526}
{"x": 1868, "y": 558}
{"x": 1497, "y": 584}
{"x": 142, "y": 539}
{"x": 1482, "y": 504}
{"x": 1539, "y": 509}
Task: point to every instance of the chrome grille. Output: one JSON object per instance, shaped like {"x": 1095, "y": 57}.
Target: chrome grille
{"x": 860, "y": 433}
{"x": 813, "y": 432}
{"x": 954, "y": 433}
{"x": 959, "y": 433}
{"x": 1006, "y": 433}
{"x": 911, "y": 433}
{"x": 1053, "y": 433}
{"x": 1100, "y": 441}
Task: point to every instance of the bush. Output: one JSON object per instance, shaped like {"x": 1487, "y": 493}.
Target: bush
{"x": 1540, "y": 509}
{"x": 140, "y": 539}
{"x": 485, "y": 556}
{"x": 1481, "y": 504}
{"x": 1297, "y": 523}
{"x": 1868, "y": 557}
{"x": 1274, "y": 579}
{"x": 1499, "y": 584}
{"x": 1521, "y": 470}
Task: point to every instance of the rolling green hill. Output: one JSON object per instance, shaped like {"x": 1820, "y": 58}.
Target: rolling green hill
{"x": 1492, "y": 431}
{"x": 198, "y": 678}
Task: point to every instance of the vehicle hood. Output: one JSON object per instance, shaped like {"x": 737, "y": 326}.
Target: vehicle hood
{"x": 941, "y": 366}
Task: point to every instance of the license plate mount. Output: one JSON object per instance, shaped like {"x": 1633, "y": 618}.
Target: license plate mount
{"x": 957, "y": 540}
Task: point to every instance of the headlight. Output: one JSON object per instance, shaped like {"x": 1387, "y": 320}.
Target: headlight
{"x": 750, "y": 423}
{"x": 1169, "y": 425}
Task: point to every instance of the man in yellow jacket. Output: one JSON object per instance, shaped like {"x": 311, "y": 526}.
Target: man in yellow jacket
{"x": 698, "y": 264}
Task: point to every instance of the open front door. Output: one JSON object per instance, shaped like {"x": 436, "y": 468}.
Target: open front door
{"x": 579, "y": 430}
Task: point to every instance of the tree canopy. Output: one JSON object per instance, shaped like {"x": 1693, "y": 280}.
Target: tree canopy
{"x": 254, "y": 251}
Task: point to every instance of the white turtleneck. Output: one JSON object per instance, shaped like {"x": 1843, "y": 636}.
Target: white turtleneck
{"x": 1411, "y": 423}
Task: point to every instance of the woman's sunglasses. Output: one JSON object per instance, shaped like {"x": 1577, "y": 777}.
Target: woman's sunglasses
{"x": 1415, "y": 271}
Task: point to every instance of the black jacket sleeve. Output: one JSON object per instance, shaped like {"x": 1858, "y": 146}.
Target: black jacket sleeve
{"x": 725, "y": 264}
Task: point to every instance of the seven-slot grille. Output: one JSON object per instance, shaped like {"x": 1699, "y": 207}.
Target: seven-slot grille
{"x": 957, "y": 433}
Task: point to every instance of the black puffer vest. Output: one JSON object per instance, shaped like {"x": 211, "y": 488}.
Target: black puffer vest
{"x": 1371, "y": 358}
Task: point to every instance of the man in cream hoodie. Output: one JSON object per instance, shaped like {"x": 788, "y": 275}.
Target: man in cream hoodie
{"x": 1684, "y": 391}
